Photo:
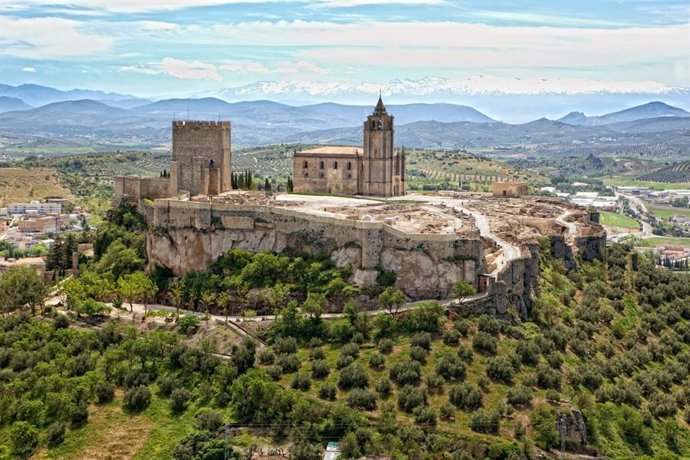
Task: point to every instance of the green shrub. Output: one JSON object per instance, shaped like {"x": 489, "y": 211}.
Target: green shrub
{"x": 451, "y": 368}
{"x": 384, "y": 387}
{"x": 137, "y": 398}
{"x": 275, "y": 372}
{"x": 189, "y": 324}
{"x": 208, "y": 420}
{"x": 24, "y": 438}
{"x": 377, "y": 361}
{"x": 548, "y": 378}
{"x": 410, "y": 398}
{"x": 434, "y": 383}
{"x": 55, "y": 434}
{"x": 520, "y": 396}
{"x": 447, "y": 411}
{"x": 484, "y": 343}
{"x": 320, "y": 369}
{"x": 285, "y": 345}
{"x": 361, "y": 399}
{"x": 500, "y": 368}
{"x": 465, "y": 396}
{"x": 60, "y": 321}
{"x": 316, "y": 354}
{"x": 462, "y": 326}
{"x": 489, "y": 325}
{"x": 266, "y": 356}
{"x": 327, "y": 390}
{"x": 179, "y": 399}
{"x": 385, "y": 346}
{"x": 421, "y": 339}
{"x": 288, "y": 363}
{"x": 543, "y": 420}
{"x": 79, "y": 414}
{"x": 406, "y": 372}
{"x": 425, "y": 416}
{"x": 485, "y": 421}
{"x": 528, "y": 351}
{"x": 344, "y": 360}
{"x": 351, "y": 349}
{"x": 465, "y": 354}
{"x": 301, "y": 382}
{"x": 418, "y": 354}
{"x": 105, "y": 392}
{"x": 353, "y": 376}
{"x": 451, "y": 337}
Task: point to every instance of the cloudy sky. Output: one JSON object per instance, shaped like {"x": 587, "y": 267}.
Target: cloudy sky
{"x": 152, "y": 47}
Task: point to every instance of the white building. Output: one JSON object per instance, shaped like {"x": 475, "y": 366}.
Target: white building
{"x": 35, "y": 207}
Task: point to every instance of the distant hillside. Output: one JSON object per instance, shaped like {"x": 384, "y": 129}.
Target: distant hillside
{"x": 654, "y": 109}
{"x": 37, "y": 95}
{"x": 8, "y": 104}
{"x": 675, "y": 173}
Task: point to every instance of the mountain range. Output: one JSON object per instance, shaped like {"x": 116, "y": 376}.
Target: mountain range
{"x": 119, "y": 119}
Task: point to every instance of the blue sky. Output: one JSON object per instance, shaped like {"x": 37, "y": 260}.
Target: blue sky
{"x": 155, "y": 47}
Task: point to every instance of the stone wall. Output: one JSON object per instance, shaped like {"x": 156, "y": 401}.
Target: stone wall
{"x": 329, "y": 179}
{"x": 188, "y": 236}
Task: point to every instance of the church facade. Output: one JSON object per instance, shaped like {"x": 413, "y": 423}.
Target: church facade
{"x": 376, "y": 169}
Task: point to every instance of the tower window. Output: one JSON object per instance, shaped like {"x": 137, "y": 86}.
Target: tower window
{"x": 335, "y": 165}
{"x": 349, "y": 165}
{"x": 305, "y": 165}
{"x": 320, "y": 164}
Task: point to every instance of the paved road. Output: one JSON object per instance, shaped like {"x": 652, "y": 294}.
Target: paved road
{"x": 641, "y": 208}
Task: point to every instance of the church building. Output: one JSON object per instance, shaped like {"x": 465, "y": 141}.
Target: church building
{"x": 376, "y": 169}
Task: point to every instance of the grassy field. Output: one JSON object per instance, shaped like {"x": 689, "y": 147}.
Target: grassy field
{"x": 613, "y": 219}
{"x": 654, "y": 242}
{"x": 631, "y": 181}
{"x": 666, "y": 212}
{"x": 21, "y": 185}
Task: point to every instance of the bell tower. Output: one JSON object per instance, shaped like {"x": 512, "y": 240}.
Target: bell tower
{"x": 378, "y": 159}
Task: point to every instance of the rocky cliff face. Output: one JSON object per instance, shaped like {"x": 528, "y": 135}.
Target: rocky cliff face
{"x": 420, "y": 274}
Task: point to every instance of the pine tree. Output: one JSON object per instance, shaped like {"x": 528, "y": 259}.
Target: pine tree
{"x": 54, "y": 257}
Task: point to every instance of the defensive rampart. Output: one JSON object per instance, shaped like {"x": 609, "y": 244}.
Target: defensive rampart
{"x": 188, "y": 236}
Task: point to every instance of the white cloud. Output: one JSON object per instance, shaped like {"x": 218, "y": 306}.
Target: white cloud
{"x": 354, "y": 3}
{"x": 48, "y": 38}
{"x": 244, "y": 68}
{"x": 184, "y": 70}
{"x": 282, "y": 67}
{"x": 29, "y": 69}
{"x": 122, "y": 6}
{"x": 415, "y": 45}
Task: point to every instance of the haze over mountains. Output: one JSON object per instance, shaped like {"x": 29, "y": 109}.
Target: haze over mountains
{"x": 87, "y": 117}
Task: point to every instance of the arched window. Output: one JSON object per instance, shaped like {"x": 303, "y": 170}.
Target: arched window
{"x": 349, "y": 165}
{"x": 373, "y": 124}
{"x": 380, "y": 124}
{"x": 335, "y": 165}
{"x": 305, "y": 165}
{"x": 320, "y": 164}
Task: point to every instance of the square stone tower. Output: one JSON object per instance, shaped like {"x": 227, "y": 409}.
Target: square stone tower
{"x": 201, "y": 157}
{"x": 382, "y": 170}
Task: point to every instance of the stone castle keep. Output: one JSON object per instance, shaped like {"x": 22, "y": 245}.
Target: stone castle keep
{"x": 429, "y": 241}
{"x": 374, "y": 170}
{"x": 201, "y": 165}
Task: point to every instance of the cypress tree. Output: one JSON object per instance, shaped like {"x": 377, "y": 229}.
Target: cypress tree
{"x": 267, "y": 185}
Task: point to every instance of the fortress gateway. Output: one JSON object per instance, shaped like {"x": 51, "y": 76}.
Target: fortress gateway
{"x": 429, "y": 241}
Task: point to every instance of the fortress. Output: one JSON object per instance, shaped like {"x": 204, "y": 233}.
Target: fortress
{"x": 429, "y": 241}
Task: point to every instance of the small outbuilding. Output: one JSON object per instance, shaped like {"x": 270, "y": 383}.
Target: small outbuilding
{"x": 509, "y": 189}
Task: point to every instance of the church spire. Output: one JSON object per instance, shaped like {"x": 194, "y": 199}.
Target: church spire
{"x": 380, "y": 108}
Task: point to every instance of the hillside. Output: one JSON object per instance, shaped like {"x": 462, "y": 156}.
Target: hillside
{"x": 603, "y": 357}
{"x": 674, "y": 173}
{"x": 654, "y": 109}
{"x": 19, "y": 185}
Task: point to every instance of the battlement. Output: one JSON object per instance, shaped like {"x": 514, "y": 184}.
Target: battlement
{"x": 200, "y": 124}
